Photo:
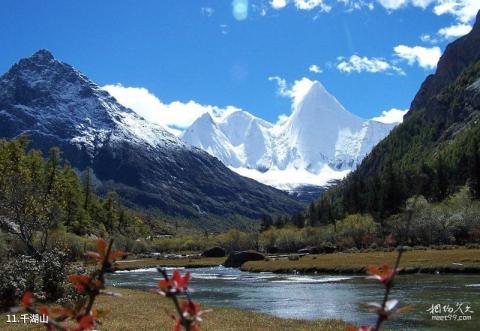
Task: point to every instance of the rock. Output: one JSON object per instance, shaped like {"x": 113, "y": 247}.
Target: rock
{"x": 327, "y": 248}
{"x": 322, "y": 249}
{"x": 236, "y": 259}
{"x": 308, "y": 250}
{"x": 214, "y": 252}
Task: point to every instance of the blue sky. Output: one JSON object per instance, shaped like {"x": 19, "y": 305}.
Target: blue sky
{"x": 371, "y": 54}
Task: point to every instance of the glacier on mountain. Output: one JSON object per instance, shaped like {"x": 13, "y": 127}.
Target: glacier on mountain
{"x": 319, "y": 142}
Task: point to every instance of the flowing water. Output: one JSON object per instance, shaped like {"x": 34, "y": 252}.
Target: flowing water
{"x": 323, "y": 296}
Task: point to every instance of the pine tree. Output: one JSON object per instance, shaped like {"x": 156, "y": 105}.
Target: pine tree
{"x": 426, "y": 179}
{"x": 392, "y": 189}
{"x": 52, "y": 168}
{"x": 312, "y": 215}
{"x": 441, "y": 182}
{"x": 474, "y": 181}
{"x": 111, "y": 211}
{"x": 76, "y": 217}
{"x": 279, "y": 222}
{"x": 298, "y": 220}
{"x": 88, "y": 188}
{"x": 266, "y": 222}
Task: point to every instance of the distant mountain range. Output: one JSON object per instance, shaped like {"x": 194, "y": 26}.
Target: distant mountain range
{"x": 319, "y": 142}
{"x": 56, "y": 105}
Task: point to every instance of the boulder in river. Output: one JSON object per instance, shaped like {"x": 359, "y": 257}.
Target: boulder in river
{"x": 214, "y": 252}
{"x": 236, "y": 259}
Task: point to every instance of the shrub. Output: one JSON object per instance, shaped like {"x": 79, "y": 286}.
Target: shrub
{"x": 361, "y": 229}
{"x": 53, "y": 273}
{"x": 18, "y": 276}
{"x": 74, "y": 246}
{"x": 45, "y": 278}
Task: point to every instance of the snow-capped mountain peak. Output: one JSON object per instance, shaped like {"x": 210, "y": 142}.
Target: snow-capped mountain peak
{"x": 42, "y": 55}
{"x": 320, "y": 139}
{"x": 319, "y": 105}
{"x": 315, "y": 126}
{"x": 205, "y": 134}
{"x": 237, "y": 125}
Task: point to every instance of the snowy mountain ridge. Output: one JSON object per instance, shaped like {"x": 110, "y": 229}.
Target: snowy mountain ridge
{"x": 90, "y": 115}
{"x": 320, "y": 141}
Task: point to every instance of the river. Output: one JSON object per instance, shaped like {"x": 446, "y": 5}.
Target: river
{"x": 324, "y": 296}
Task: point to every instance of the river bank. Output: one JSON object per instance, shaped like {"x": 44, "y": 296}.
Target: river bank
{"x": 425, "y": 261}
{"x": 203, "y": 262}
{"x": 141, "y": 310}
{"x": 459, "y": 260}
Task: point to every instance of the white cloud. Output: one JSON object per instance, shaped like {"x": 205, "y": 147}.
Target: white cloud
{"x": 315, "y": 69}
{"x": 224, "y": 29}
{"x": 364, "y": 64}
{"x": 427, "y": 38}
{"x": 282, "y": 119}
{"x": 426, "y": 58}
{"x": 393, "y": 4}
{"x": 175, "y": 116}
{"x": 278, "y": 4}
{"x": 390, "y": 116}
{"x": 397, "y": 4}
{"x": 207, "y": 11}
{"x": 357, "y": 4}
{"x": 302, "y": 4}
{"x": 422, "y": 3}
{"x": 311, "y": 4}
{"x": 295, "y": 91}
{"x": 281, "y": 84}
{"x": 455, "y": 31}
{"x": 463, "y": 10}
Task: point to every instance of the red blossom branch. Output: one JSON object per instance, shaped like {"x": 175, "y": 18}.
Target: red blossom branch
{"x": 189, "y": 313}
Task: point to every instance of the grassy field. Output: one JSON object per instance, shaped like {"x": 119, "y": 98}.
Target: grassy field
{"x": 454, "y": 260}
{"x": 186, "y": 262}
{"x": 138, "y": 310}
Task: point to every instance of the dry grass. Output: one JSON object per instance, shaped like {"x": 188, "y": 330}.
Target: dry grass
{"x": 138, "y": 310}
{"x": 186, "y": 262}
{"x": 426, "y": 260}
